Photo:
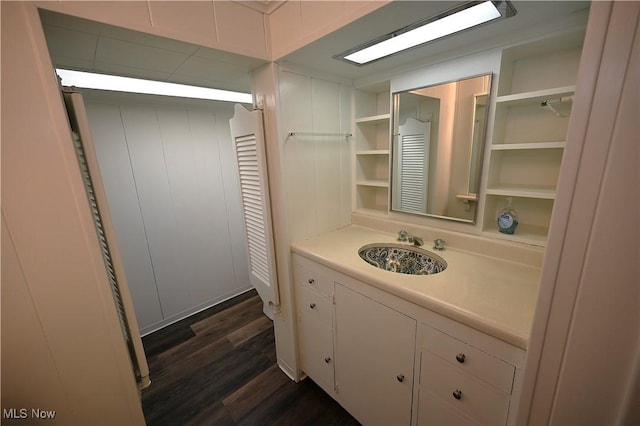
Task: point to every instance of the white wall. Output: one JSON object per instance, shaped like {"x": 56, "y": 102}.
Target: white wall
{"x": 317, "y": 168}
{"x": 265, "y": 81}
{"x": 582, "y": 366}
{"x": 171, "y": 182}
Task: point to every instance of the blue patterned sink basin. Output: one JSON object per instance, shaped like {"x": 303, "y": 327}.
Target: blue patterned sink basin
{"x": 402, "y": 259}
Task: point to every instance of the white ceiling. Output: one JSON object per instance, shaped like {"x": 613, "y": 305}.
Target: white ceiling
{"x": 530, "y": 14}
{"x": 90, "y": 46}
{"x": 84, "y": 45}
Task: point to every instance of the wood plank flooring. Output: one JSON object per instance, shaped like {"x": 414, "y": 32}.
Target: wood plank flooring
{"x": 218, "y": 367}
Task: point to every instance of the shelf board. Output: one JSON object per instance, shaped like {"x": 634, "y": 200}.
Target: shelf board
{"x": 374, "y": 119}
{"x": 373, "y": 152}
{"x": 376, "y": 183}
{"x": 537, "y": 95}
{"x": 529, "y": 145}
{"x": 372, "y": 212}
{"x": 526, "y": 191}
{"x": 467, "y": 197}
{"x": 535, "y": 235}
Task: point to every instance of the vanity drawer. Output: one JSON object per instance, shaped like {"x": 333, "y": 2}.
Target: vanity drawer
{"x": 486, "y": 367}
{"x": 313, "y": 306}
{"x": 463, "y": 391}
{"x": 435, "y": 411}
{"x": 309, "y": 277}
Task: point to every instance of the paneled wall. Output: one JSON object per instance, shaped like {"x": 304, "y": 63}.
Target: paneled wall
{"x": 170, "y": 178}
{"x": 317, "y": 167}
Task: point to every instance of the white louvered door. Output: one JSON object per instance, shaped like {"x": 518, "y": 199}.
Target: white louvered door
{"x": 413, "y": 165}
{"x": 96, "y": 195}
{"x": 247, "y": 132}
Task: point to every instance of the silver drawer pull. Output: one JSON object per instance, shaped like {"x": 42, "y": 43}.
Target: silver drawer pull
{"x": 400, "y": 378}
{"x": 312, "y": 305}
{"x": 311, "y": 281}
{"x": 457, "y": 394}
{"x": 461, "y": 357}
{"x": 327, "y": 359}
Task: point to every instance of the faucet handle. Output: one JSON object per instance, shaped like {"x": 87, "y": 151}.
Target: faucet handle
{"x": 438, "y": 244}
{"x": 403, "y": 235}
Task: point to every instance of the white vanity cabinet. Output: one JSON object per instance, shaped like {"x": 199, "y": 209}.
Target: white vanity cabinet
{"x": 389, "y": 361}
{"x": 375, "y": 347}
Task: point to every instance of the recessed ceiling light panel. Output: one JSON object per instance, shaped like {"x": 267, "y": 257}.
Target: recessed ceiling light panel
{"x": 89, "y": 80}
{"x": 460, "y": 18}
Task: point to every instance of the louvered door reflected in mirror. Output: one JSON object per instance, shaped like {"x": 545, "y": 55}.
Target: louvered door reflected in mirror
{"x": 438, "y": 140}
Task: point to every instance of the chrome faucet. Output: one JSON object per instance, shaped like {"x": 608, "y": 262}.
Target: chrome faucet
{"x": 416, "y": 241}
{"x": 405, "y": 236}
{"x": 438, "y": 244}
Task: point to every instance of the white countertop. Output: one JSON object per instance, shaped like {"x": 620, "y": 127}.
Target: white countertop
{"x": 494, "y": 296}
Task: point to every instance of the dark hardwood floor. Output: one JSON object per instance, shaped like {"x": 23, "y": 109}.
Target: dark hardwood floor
{"x": 218, "y": 367}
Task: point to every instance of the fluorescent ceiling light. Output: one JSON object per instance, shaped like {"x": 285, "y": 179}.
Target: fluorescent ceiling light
{"x": 88, "y": 80}
{"x": 458, "y": 19}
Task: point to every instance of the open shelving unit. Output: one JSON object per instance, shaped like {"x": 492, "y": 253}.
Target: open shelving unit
{"x": 371, "y": 159}
{"x": 532, "y": 110}
{"x": 528, "y": 126}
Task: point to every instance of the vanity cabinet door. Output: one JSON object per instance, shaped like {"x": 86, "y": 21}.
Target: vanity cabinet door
{"x": 375, "y": 348}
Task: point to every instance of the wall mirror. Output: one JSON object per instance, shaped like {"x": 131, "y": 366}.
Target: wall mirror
{"x": 437, "y": 149}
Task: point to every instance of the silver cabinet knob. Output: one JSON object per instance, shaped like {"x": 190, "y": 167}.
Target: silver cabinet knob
{"x": 311, "y": 281}
{"x": 461, "y": 357}
{"x": 327, "y": 359}
{"x": 457, "y": 394}
{"x": 400, "y": 378}
{"x": 312, "y": 305}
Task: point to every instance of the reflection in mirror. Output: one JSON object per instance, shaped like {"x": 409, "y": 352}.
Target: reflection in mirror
{"x": 438, "y": 140}
{"x": 479, "y": 122}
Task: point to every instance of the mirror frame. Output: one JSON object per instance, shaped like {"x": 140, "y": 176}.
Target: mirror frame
{"x": 473, "y": 197}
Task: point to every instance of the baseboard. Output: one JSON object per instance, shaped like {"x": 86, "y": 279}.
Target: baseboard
{"x": 288, "y": 371}
{"x": 192, "y": 311}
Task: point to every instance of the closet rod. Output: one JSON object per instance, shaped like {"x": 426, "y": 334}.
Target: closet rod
{"x": 548, "y": 104}
{"x": 291, "y": 134}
